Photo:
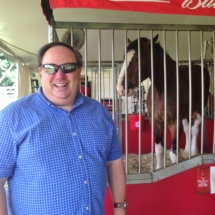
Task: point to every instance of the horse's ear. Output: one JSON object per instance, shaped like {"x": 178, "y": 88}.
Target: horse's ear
{"x": 129, "y": 41}
{"x": 155, "y": 39}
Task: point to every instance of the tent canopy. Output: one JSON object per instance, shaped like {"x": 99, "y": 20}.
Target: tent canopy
{"x": 185, "y": 7}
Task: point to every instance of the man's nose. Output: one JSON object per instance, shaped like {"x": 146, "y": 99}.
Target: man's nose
{"x": 60, "y": 73}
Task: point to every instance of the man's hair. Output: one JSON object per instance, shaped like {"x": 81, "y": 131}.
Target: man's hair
{"x": 46, "y": 47}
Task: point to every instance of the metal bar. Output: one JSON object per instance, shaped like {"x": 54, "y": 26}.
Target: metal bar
{"x": 114, "y": 106}
{"x": 202, "y": 92}
{"x": 152, "y": 102}
{"x": 131, "y": 26}
{"x": 165, "y": 96}
{"x": 85, "y": 66}
{"x": 177, "y": 97}
{"x": 139, "y": 102}
{"x": 190, "y": 93}
{"x": 126, "y": 105}
{"x": 213, "y": 105}
{"x": 103, "y": 87}
{"x": 99, "y": 65}
{"x": 51, "y": 29}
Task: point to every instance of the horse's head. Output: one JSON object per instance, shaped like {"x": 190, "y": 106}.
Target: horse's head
{"x": 132, "y": 65}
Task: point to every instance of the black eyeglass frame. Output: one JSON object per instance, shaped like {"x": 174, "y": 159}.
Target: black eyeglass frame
{"x": 62, "y": 67}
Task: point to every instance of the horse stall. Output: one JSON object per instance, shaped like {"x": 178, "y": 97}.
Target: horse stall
{"x": 178, "y": 176}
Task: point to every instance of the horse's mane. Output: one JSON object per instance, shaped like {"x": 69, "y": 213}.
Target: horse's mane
{"x": 157, "y": 47}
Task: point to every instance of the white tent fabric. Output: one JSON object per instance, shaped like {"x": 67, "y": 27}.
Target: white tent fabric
{"x": 23, "y": 86}
{"x": 7, "y": 52}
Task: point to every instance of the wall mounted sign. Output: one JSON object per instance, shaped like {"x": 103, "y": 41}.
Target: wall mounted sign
{"x": 205, "y": 180}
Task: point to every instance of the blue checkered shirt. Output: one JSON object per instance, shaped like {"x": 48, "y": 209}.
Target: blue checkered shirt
{"x": 56, "y": 161}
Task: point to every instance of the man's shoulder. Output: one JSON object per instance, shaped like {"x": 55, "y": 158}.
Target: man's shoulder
{"x": 26, "y": 102}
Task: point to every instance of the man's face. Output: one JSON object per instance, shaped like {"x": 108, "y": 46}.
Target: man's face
{"x": 60, "y": 88}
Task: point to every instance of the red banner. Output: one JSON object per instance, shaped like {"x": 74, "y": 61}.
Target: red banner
{"x": 187, "y": 7}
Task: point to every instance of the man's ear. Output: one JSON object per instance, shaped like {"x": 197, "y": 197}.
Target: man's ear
{"x": 40, "y": 71}
{"x": 80, "y": 69}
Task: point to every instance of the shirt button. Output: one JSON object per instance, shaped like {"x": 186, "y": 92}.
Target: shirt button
{"x": 87, "y": 208}
{"x": 74, "y": 134}
{"x": 85, "y": 182}
{"x": 79, "y": 156}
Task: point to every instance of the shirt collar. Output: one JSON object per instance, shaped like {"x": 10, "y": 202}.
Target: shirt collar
{"x": 78, "y": 100}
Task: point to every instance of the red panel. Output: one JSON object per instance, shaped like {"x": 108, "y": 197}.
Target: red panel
{"x": 174, "y": 195}
{"x": 209, "y": 127}
{"x": 188, "y": 7}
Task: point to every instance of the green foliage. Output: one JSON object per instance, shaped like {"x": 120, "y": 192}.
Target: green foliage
{"x": 10, "y": 78}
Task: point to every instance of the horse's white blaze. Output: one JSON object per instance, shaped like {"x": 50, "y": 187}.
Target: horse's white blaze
{"x": 120, "y": 88}
{"x": 159, "y": 155}
{"x": 194, "y": 132}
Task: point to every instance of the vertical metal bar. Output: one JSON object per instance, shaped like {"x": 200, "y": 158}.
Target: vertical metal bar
{"x": 119, "y": 107}
{"x": 109, "y": 78}
{"x": 91, "y": 79}
{"x": 165, "y": 94}
{"x": 152, "y": 102}
{"x": 177, "y": 97}
{"x": 126, "y": 106}
{"x": 51, "y": 29}
{"x": 113, "y": 81}
{"x": 103, "y": 79}
{"x": 213, "y": 105}
{"x": 85, "y": 57}
{"x": 139, "y": 103}
{"x": 190, "y": 92}
{"x": 94, "y": 83}
{"x": 99, "y": 64}
{"x": 202, "y": 86}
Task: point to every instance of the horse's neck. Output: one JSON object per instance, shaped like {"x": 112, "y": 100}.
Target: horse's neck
{"x": 159, "y": 70}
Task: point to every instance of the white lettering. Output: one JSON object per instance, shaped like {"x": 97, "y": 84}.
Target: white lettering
{"x": 201, "y": 3}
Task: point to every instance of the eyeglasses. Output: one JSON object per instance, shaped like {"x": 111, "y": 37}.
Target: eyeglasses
{"x": 52, "y": 69}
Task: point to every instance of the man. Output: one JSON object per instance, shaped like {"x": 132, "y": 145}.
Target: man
{"x": 57, "y": 146}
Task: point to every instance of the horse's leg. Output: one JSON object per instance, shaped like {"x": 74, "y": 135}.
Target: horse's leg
{"x": 195, "y": 131}
{"x": 185, "y": 153}
{"x": 173, "y": 150}
{"x": 159, "y": 151}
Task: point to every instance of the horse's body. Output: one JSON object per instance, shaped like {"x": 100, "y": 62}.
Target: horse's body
{"x": 132, "y": 78}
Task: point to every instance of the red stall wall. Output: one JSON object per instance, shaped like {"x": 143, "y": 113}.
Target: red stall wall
{"x": 175, "y": 195}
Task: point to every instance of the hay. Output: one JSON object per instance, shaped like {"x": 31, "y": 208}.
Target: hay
{"x": 133, "y": 162}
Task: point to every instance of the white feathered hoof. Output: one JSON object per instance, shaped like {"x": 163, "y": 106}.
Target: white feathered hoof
{"x": 159, "y": 156}
{"x": 185, "y": 154}
{"x": 194, "y": 151}
{"x": 173, "y": 157}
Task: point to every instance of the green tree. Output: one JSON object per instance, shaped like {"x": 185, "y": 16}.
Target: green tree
{"x": 9, "y": 78}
